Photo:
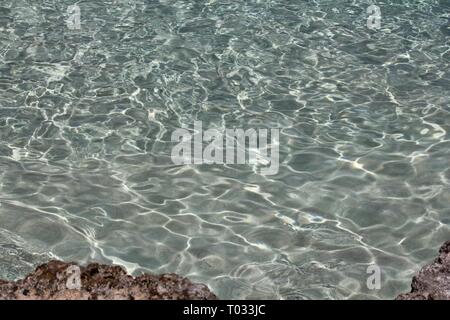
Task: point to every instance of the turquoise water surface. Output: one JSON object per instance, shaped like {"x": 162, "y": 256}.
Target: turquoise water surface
{"x": 86, "y": 117}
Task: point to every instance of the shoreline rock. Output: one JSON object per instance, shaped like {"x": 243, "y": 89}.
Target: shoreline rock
{"x": 433, "y": 280}
{"x": 57, "y": 280}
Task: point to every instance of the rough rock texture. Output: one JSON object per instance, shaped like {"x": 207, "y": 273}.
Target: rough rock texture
{"x": 57, "y": 280}
{"x": 433, "y": 280}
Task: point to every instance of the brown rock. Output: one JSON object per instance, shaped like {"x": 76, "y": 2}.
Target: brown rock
{"x": 58, "y": 280}
{"x": 433, "y": 280}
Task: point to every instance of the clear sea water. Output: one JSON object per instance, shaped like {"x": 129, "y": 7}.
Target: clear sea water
{"x": 86, "y": 118}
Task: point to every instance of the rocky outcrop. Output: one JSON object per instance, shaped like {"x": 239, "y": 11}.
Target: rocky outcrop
{"x": 58, "y": 280}
{"x": 433, "y": 280}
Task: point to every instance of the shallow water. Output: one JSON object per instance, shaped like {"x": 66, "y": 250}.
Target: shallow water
{"x": 86, "y": 118}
